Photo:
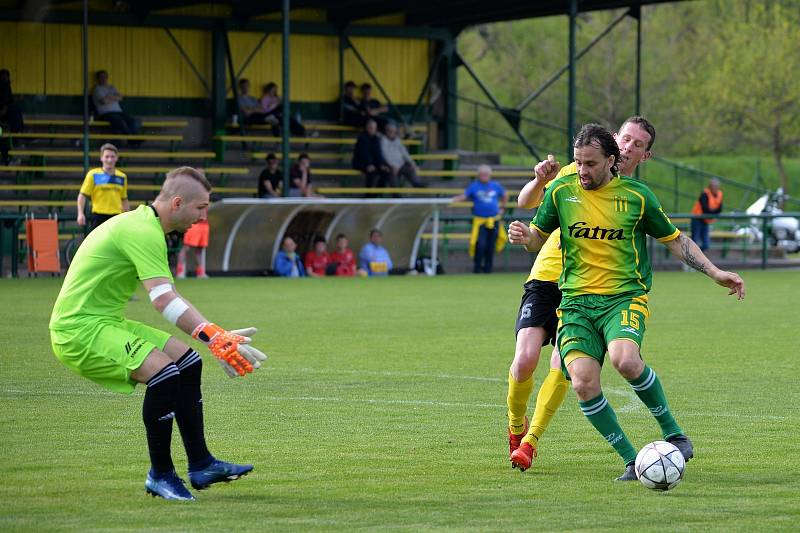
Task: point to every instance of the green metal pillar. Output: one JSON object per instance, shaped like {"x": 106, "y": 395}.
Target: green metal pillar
{"x": 85, "y": 88}
{"x": 637, "y": 13}
{"x": 342, "y": 48}
{"x": 450, "y": 88}
{"x": 218, "y": 88}
{"x": 573, "y": 14}
{"x": 286, "y": 95}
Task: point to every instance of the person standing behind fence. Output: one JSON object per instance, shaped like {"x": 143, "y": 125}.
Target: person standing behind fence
{"x": 709, "y": 202}
{"x": 107, "y": 187}
{"x": 488, "y": 235}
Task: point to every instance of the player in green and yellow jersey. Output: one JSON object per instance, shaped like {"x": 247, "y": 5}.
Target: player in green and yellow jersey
{"x": 604, "y": 220}
{"x": 91, "y": 336}
{"x": 537, "y": 321}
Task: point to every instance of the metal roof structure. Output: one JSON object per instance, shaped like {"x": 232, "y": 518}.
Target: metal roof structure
{"x": 249, "y": 14}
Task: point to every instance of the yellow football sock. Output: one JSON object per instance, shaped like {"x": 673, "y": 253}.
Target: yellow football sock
{"x": 518, "y": 394}
{"x": 551, "y": 396}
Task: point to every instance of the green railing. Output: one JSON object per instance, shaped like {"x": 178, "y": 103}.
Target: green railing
{"x": 678, "y": 185}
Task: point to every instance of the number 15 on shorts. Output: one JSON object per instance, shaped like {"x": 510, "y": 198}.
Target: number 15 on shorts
{"x": 630, "y": 318}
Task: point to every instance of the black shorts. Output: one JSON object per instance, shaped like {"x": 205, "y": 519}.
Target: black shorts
{"x": 97, "y": 219}
{"x": 538, "y": 308}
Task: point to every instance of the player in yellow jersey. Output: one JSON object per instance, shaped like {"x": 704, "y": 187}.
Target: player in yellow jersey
{"x": 537, "y": 321}
{"x": 107, "y": 187}
{"x": 605, "y": 219}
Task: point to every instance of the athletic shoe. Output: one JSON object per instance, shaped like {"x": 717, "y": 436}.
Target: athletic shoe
{"x": 683, "y": 443}
{"x": 629, "y": 474}
{"x": 216, "y": 472}
{"x": 515, "y": 440}
{"x": 168, "y": 486}
{"x": 523, "y": 457}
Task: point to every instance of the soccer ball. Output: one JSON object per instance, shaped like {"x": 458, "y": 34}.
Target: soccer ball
{"x": 660, "y": 465}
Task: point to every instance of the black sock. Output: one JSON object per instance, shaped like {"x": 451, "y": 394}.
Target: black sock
{"x": 190, "y": 411}
{"x": 158, "y": 410}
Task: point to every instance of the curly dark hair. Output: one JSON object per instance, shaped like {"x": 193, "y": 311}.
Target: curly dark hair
{"x": 597, "y": 135}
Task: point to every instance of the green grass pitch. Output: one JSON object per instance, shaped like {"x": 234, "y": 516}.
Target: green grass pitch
{"x": 382, "y": 407}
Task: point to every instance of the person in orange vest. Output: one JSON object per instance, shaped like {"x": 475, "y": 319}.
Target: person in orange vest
{"x": 710, "y": 202}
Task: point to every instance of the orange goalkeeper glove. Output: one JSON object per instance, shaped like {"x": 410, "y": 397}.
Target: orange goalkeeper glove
{"x": 229, "y": 347}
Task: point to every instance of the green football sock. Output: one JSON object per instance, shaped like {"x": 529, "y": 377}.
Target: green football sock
{"x": 604, "y": 420}
{"x": 648, "y": 388}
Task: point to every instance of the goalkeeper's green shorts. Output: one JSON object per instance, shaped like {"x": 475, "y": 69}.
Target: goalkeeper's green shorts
{"x": 589, "y": 322}
{"x": 107, "y": 351}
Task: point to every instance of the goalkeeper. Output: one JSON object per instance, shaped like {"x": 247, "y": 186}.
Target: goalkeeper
{"x": 90, "y": 335}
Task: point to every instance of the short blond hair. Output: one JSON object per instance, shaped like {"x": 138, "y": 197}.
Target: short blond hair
{"x": 177, "y": 181}
{"x": 194, "y": 173}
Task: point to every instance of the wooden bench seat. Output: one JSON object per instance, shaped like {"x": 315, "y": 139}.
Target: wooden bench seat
{"x": 418, "y": 128}
{"x": 102, "y": 123}
{"x": 127, "y": 170}
{"x": 94, "y": 136}
{"x": 260, "y": 156}
{"x": 298, "y": 140}
{"x": 77, "y": 154}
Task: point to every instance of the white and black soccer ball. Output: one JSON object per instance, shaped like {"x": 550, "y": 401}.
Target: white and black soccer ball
{"x": 660, "y": 465}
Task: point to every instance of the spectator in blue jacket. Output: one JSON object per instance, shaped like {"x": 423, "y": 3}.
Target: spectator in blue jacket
{"x": 373, "y": 259}
{"x": 288, "y": 263}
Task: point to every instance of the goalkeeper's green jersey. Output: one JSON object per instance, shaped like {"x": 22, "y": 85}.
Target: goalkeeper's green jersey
{"x": 108, "y": 266}
{"x": 603, "y": 234}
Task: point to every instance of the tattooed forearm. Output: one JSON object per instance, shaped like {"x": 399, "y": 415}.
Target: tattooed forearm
{"x": 688, "y": 257}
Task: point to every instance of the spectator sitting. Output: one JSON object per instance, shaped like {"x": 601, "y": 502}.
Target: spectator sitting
{"x": 352, "y": 112}
{"x": 343, "y": 258}
{"x": 300, "y": 178}
{"x": 317, "y": 260}
{"x": 374, "y": 259}
{"x": 271, "y": 178}
{"x": 367, "y": 156}
{"x": 249, "y": 107}
{"x": 397, "y": 158}
{"x": 287, "y": 262}
{"x": 106, "y": 100}
{"x": 271, "y": 107}
{"x": 10, "y": 114}
{"x": 372, "y": 107}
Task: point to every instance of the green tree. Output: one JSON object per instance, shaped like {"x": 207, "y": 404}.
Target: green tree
{"x": 746, "y": 92}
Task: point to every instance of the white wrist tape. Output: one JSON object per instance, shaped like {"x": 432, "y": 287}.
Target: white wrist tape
{"x": 175, "y": 309}
{"x": 159, "y": 290}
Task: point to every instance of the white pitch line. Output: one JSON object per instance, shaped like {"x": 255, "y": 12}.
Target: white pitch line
{"x": 634, "y": 404}
{"x": 431, "y": 403}
{"x": 13, "y": 393}
{"x": 388, "y": 373}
